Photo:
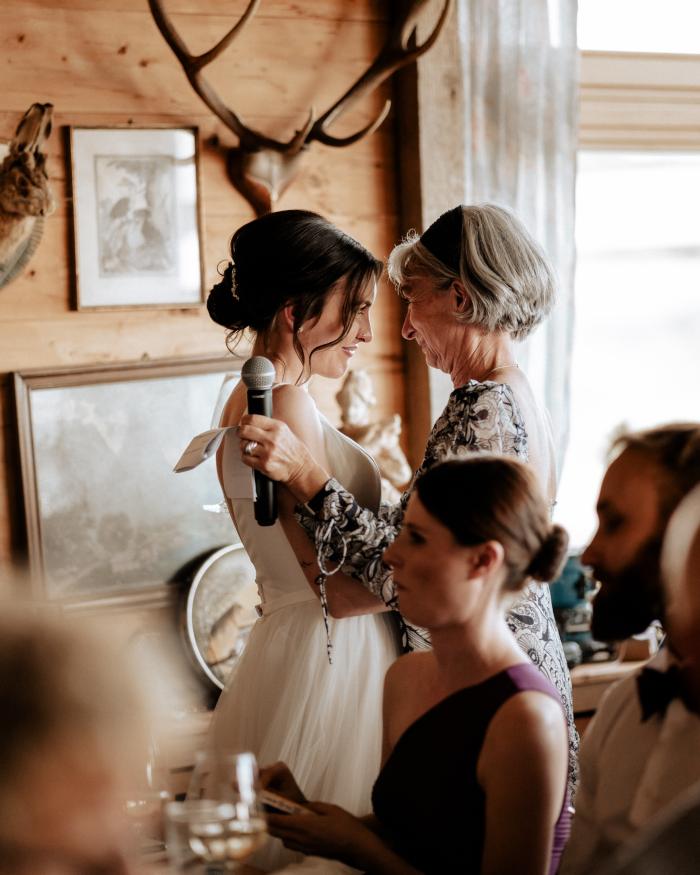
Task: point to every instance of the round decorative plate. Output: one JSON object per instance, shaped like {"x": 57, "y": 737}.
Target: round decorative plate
{"x": 220, "y": 611}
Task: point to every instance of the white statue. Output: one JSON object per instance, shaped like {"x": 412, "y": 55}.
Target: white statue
{"x": 381, "y": 439}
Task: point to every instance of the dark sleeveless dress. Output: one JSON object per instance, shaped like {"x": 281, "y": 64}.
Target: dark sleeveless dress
{"x": 427, "y": 796}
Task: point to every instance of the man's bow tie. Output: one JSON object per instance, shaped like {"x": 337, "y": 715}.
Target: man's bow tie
{"x": 657, "y": 689}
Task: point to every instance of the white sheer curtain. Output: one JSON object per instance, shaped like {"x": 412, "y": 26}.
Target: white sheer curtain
{"x": 498, "y": 122}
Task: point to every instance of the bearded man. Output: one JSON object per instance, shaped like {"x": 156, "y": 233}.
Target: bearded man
{"x": 640, "y": 752}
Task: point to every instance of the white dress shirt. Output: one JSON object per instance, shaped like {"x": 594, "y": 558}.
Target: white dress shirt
{"x": 629, "y": 771}
{"x": 670, "y": 844}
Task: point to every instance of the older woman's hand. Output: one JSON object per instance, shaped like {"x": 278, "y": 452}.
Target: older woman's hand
{"x": 270, "y": 446}
{"x": 329, "y": 831}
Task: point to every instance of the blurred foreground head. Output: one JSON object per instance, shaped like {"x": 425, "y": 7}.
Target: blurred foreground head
{"x": 651, "y": 473}
{"x": 70, "y": 736}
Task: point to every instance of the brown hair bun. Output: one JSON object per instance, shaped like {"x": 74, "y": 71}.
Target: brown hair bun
{"x": 549, "y": 559}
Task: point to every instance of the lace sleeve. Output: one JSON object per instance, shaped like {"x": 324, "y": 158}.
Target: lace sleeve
{"x": 480, "y": 416}
{"x": 352, "y": 539}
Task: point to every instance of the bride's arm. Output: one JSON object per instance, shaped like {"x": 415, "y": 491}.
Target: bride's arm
{"x": 344, "y": 533}
{"x": 346, "y": 597}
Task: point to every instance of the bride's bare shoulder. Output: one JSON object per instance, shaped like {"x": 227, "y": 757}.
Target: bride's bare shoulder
{"x": 292, "y": 402}
{"x": 288, "y": 393}
{"x": 294, "y": 406}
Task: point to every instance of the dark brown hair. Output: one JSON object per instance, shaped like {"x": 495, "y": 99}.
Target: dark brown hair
{"x": 289, "y": 258}
{"x": 484, "y": 497}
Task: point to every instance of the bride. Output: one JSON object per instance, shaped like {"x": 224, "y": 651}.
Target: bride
{"x": 305, "y": 289}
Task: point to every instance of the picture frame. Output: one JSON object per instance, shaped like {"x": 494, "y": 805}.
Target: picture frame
{"x": 137, "y": 228}
{"x": 108, "y": 522}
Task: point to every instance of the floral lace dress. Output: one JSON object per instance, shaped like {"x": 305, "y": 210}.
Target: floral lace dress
{"x": 479, "y": 417}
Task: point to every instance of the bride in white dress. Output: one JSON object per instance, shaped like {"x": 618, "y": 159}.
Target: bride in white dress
{"x": 305, "y": 288}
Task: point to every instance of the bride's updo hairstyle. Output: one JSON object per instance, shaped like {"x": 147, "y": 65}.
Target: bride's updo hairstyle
{"x": 484, "y": 497}
{"x": 289, "y": 258}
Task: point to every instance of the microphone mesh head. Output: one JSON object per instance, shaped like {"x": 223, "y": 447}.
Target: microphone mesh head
{"x": 258, "y": 373}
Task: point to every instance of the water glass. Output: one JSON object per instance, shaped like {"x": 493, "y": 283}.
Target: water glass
{"x": 221, "y": 823}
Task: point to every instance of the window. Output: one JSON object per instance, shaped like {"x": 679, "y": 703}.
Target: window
{"x": 636, "y": 359}
{"x": 671, "y": 26}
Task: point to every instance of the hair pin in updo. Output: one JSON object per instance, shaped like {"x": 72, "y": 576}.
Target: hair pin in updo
{"x": 234, "y": 284}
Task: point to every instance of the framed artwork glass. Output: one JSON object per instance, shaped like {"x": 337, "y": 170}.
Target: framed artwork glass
{"x": 107, "y": 519}
{"x": 136, "y": 217}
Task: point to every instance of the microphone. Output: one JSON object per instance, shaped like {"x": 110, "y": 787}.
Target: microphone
{"x": 258, "y": 374}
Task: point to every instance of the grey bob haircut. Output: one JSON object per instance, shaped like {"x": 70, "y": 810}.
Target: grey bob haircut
{"x": 509, "y": 281}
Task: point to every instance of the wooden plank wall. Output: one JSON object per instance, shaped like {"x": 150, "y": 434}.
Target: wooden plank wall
{"x": 103, "y": 63}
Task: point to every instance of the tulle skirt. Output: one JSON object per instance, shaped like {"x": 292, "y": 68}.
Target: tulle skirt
{"x": 286, "y": 703}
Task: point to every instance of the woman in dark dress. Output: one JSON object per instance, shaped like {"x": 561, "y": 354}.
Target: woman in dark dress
{"x": 475, "y": 746}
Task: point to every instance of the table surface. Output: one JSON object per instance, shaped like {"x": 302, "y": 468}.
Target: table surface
{"x": 602, "y": 672}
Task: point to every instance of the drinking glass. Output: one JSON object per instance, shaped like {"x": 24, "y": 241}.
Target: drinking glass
{"x": 177, "y": 837}
{"x": 145, "y": 801}
{"x": 225, "y": 821}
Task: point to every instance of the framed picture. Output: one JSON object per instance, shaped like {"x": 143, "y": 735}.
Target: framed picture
{"x": 136, "y": 219}
{"x": 107, "y": 519}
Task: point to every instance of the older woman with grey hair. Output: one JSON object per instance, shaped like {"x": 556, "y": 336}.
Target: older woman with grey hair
{"x": 475, "y": 282}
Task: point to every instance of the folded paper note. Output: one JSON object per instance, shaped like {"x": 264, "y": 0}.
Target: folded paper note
{"x": 238, "y": 477}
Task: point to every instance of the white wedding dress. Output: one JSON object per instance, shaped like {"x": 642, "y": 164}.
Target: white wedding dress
{"x": 284, "y": 701}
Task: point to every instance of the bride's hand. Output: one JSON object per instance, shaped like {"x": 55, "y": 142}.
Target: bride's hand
{"x": 270, "y": 446}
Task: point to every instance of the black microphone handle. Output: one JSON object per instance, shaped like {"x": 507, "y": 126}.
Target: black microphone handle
{"x": 260, "y": 402}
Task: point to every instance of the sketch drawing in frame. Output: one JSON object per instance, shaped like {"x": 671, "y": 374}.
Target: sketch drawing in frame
{"x": 108, "y": 522}
{"x": 136, "y": 217}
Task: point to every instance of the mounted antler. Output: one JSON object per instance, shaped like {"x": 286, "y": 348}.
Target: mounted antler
{"x": 261, "y": 167}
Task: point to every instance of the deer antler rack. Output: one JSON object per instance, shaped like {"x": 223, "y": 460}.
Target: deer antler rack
{"x": 262, "y": 167}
